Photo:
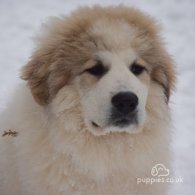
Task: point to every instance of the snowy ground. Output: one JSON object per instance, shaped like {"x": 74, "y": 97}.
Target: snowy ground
{"x": 21, "y": 19}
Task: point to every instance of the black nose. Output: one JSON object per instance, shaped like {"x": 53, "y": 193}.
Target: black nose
{"x": 125, "y": 102}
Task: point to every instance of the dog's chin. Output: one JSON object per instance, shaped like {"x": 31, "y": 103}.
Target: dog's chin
{"x": 126, "y": 127}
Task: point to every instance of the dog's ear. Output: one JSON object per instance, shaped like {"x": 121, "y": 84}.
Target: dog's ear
{"x": 164, "y": 75}
{"x": 36, "y": 72}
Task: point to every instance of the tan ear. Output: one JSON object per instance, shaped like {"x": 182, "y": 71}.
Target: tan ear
{"x": 36, "y": 73}
{"x": 164, "y": 75}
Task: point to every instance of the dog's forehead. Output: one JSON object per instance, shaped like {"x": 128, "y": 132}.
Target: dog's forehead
{"x": 112, "y": 35}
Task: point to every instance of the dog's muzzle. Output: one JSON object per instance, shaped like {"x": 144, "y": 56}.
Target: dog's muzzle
{"x": 124, "y": 109}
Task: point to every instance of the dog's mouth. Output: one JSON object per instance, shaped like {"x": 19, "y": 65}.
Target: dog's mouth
{"x": 97, "y": 129}
{"x": 119, "y": 126}
{"x": 95, "y": 124}
{"x": 123, "y": 122}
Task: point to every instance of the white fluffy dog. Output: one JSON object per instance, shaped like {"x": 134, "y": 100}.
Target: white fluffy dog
{"x": 94, "y": 116}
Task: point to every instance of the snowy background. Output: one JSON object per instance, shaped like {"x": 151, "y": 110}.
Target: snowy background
{"x": 20, "y": 20}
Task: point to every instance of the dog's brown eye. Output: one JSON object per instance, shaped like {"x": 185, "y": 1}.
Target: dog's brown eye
{"x": 137, "y": 69}
{"x": 98, "y": 70}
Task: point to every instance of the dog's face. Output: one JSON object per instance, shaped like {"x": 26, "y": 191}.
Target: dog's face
{"x": 113, "y": 92}
{"x": 114, "y": 85}
{"x": 112, "y": 62}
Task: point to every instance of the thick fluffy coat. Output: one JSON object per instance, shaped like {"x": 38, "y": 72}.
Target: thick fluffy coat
{"x": 58, "y": 150}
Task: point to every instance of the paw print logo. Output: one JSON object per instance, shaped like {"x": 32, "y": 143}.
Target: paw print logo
{"x": 159, "y": 170}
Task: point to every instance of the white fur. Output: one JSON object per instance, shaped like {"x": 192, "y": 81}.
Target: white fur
{"x": 96, "y": 101}
{"x": 115, "y": 53}
{"x": 56, "y": 154}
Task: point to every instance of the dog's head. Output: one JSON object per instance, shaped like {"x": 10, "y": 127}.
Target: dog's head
{"x": 112, "y": 57}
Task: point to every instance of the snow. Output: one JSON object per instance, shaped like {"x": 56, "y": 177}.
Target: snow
{"x": 20, "y": 20}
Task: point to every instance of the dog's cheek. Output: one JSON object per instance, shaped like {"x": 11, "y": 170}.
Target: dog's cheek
{"x": 156, "y": 107}
{"x": 56, "y": 81}
{"x": 86, "y": 82}
{"x": 66, "y": 106}
{"x": 165, "y": 79}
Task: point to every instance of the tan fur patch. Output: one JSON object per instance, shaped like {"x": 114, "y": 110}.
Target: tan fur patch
{"x": 68, "y": 45}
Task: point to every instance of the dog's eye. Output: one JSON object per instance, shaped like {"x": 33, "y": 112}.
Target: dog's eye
{"x": 137, "y": 69}
{"x": 97, "y": 70}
